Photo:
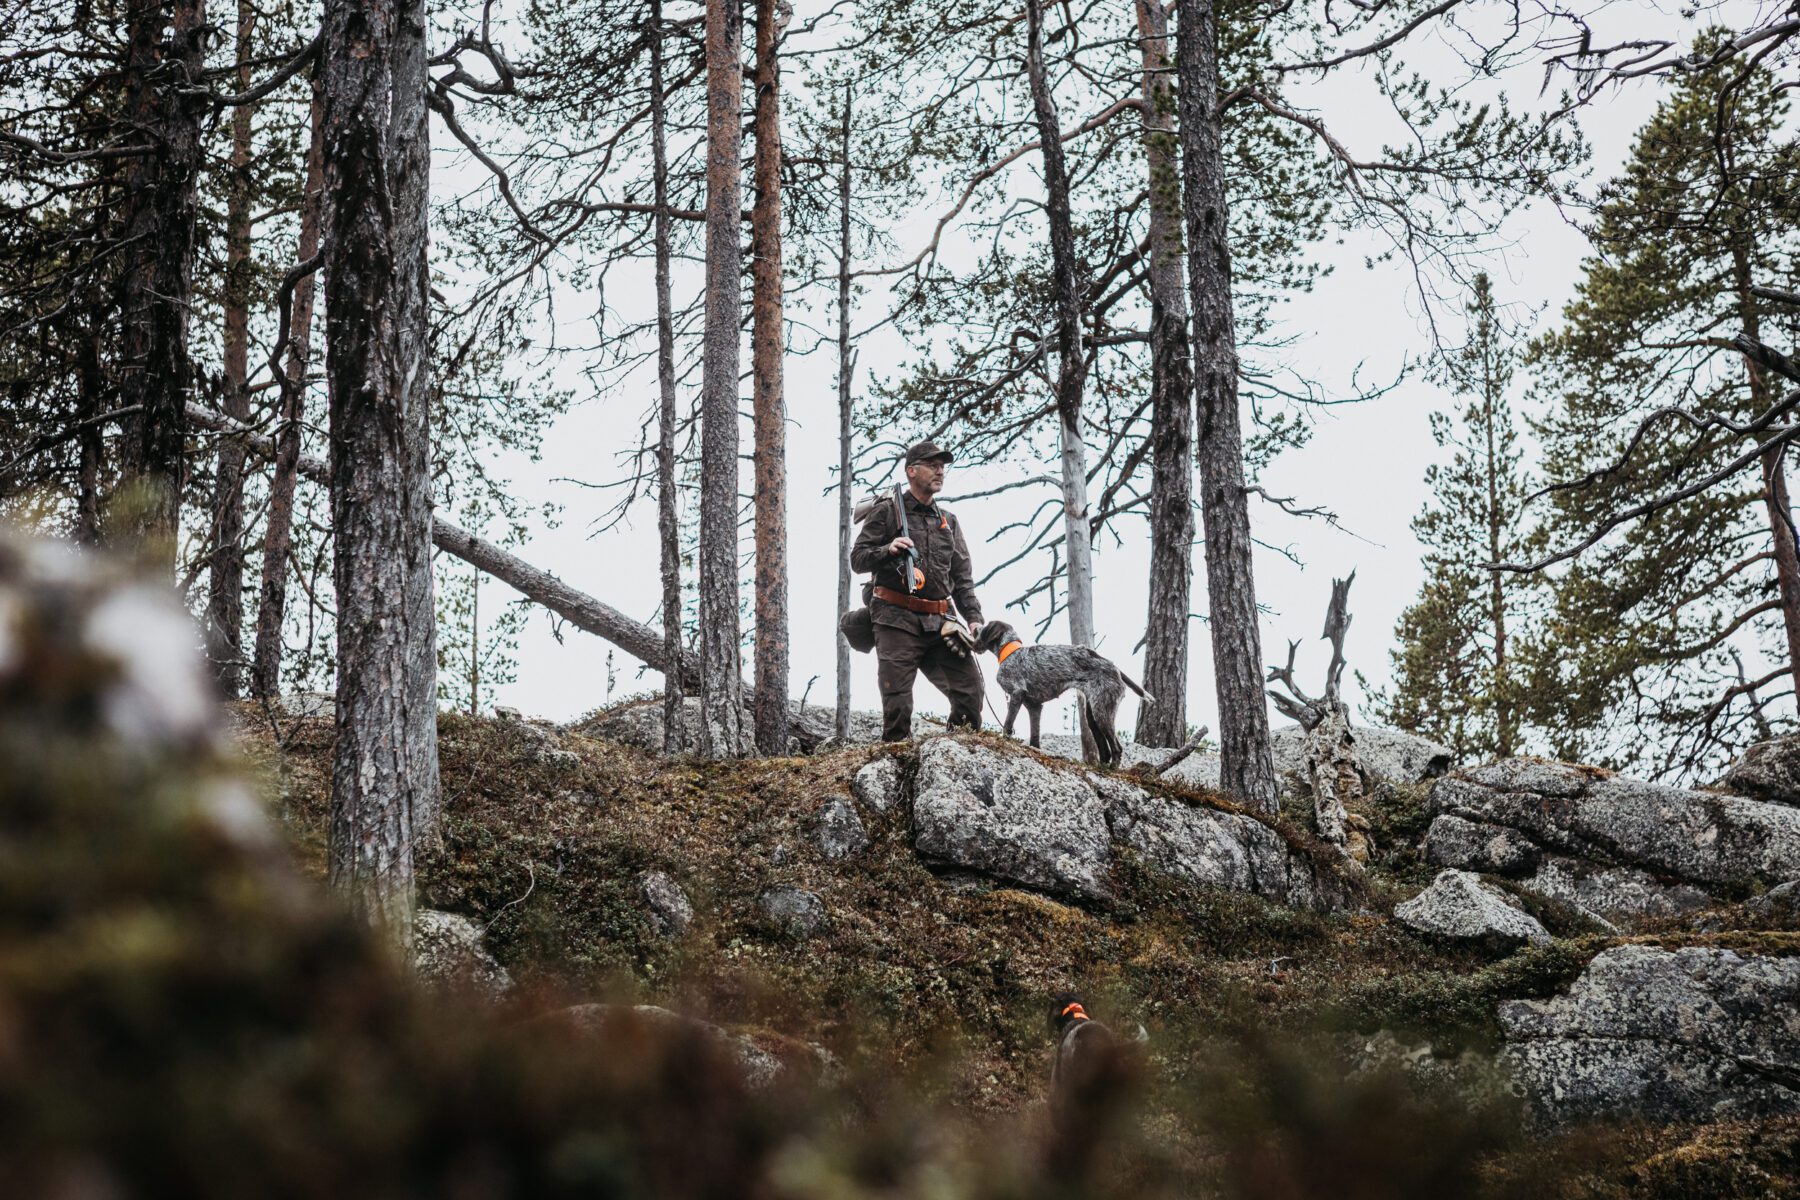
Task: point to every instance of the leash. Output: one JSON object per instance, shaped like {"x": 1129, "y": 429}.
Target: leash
{"x": 989, "y": 701}
{"x": 976, "y": 659}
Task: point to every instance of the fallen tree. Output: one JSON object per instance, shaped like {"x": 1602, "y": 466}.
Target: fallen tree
{"x": 641, "y": 641}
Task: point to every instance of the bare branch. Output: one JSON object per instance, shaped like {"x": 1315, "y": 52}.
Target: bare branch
{"x": 1337, "y": 624}
{"x": 299, "y": 62}
{"x": 1767, "y": 357}
{"x": 1376, "y": 47}
{"x": 1645, "y": 509}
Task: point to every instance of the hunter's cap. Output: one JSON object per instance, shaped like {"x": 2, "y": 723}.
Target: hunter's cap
{"x": 927, "y": 452}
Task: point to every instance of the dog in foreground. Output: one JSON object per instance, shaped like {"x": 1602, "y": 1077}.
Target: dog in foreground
{"x": 1090, "y": 1073}
{"x": 1032, "y": 676}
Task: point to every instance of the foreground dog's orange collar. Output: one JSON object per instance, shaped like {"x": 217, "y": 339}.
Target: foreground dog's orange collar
{"x": 1075, "y": 1012}
{"x": 1008, "y": 649}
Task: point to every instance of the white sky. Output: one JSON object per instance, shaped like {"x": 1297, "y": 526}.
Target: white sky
{"x": 1366, "y": 462}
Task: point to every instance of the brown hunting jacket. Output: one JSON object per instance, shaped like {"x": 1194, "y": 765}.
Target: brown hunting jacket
{"x": 942, "y": 554}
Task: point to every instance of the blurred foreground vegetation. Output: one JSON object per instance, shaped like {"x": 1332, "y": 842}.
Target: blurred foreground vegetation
{"x": 183, "y": 1011}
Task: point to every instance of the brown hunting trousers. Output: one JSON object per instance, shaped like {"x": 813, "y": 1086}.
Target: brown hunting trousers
{"x": 902, "y": 654}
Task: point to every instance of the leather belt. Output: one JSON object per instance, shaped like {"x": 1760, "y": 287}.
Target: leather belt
{"x": 915, "y": 603}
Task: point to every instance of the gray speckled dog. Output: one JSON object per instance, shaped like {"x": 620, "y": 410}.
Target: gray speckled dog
{"x": 1032, "y": 676}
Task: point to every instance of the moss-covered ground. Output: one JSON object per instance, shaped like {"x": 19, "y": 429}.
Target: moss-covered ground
{"x": 947, "y": 983}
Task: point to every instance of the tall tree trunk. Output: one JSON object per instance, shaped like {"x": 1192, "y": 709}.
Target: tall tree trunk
{"x": 374, "y": 241}
{"x": 410, "y": 132}
{"x": 1504, "y": 715}
{"x": 767, "y": 336}
{"x": 278, "y": 528}
{"x": 1787, "y": 555}
{"x": 225, "y": 569}
{"x": 1247, "y": 769}
{"x": 721, "y": 714}
{"x": 668, "y": 525}
{"x": 90, "y": 441}
{"x": 164, "y": 60}
{"x": 1164, "y": 723}
{"x": 1071, "y": 379}
{"x": 1775, "y": 493}
{"x": 846, "y": 526}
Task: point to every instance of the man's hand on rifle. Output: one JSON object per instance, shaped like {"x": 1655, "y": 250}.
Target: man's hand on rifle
{"x": 899, "y": 545}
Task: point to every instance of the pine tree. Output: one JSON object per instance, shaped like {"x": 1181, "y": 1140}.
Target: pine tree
{"x": 1650, "y": 623}
{"x": 1457, "y": 674}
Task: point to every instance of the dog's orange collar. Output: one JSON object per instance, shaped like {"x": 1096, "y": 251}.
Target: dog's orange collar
{"x": 1009, "y": 648}
{"x": 1076, "y": 1013}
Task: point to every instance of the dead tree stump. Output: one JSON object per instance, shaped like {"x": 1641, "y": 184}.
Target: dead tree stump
{"x": 1329, "y": 759}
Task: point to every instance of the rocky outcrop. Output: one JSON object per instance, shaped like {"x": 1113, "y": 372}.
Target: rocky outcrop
{"x": 640, "y": 723}
{"x": 877, "y": 784}
{"x": 306, "y": 704}
{"x": 762, "y": 1066}
{"x": 838, "y": 831}
{"x": 794, "y": 910}
{"x": 1011, "y": 817}
{"x": 448, "y": 952}
{"x": 1768, "y": 771}
{"x": 1455, "y": 842}
{"x": 665, "y": 903}
{"x": 1386, "y": 755}
{"x": 1618, "y": 847}
{"x": 1779, "y": 906}
{"x": 1691, "y": 1034}
{"x": 1213, "y": 848}
{"x": 1458, "y": 906}
{"x": 1612, "y": 895}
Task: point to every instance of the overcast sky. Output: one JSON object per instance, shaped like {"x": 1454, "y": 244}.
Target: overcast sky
{"x": 1366, "y": 462}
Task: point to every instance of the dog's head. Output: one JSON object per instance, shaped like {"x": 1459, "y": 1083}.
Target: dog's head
{"x": 1065, "y": 1010}
{"x": 994, "y": 636}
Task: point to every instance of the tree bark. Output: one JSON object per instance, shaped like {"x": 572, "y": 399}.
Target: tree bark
{"x": 1775, "y": 493}
{"x": 1334, "y": 771}
{"x": 374, "y": 239}
{"x": 1071, "y": 379}
{"x": 668, "y": 523}
{"x": 846, "y": 525}
{"x": 90, "y": 442}
{"x": 1787, "y": 555}
{"x": 1505, "y": 720}
{"x": 225, "y": 569}
{"x": 411, "y": 136}
{"x": 165, "y": 58}
{"x": 1164, "y": 723}
{"x": 721, "y": 718}
{"x": 767, "y": 336}
{"x": 1247, "y": 768}
{"x": 271, "y": 609}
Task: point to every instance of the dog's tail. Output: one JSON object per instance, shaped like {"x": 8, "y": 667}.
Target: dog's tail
{"x": 1137, "y": 687}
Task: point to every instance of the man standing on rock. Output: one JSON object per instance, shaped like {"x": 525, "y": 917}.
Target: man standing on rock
{"x": 909, "y": 620}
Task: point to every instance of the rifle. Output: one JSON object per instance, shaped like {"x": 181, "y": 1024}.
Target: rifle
{"x": 914, "y": 577}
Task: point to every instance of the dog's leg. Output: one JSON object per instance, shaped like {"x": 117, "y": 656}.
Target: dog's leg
{"x": 1106, "y": 735}
{"x": 1035, "y": 711}
{"x": 1101, "y": 735}
{"x": 1012, "y": 714}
